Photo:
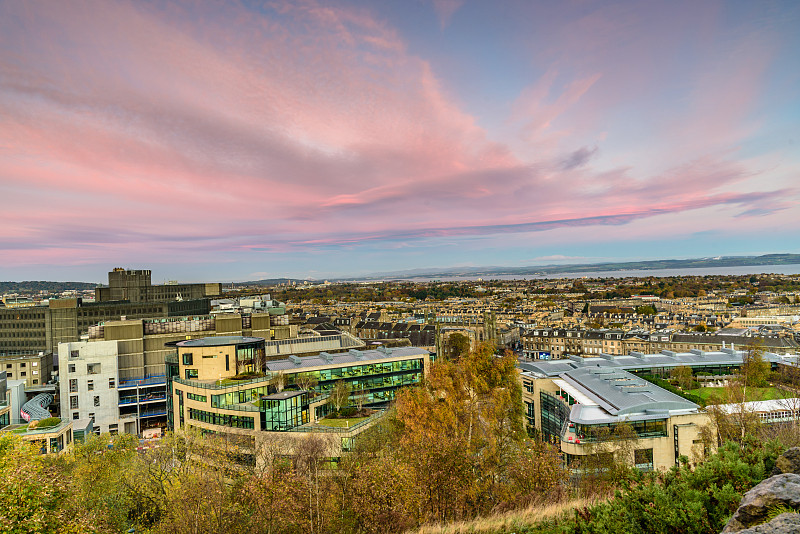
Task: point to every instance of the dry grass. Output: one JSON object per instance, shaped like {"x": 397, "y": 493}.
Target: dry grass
{"x": 505, "y": 522}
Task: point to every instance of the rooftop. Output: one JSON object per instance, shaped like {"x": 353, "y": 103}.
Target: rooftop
{"x": 351, "y": 356}
{"x": 640, "y": 361}
{"x": 219, "y": 341}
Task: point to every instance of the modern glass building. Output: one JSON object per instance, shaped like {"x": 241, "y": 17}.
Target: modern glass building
{"x": 223, "y": 385}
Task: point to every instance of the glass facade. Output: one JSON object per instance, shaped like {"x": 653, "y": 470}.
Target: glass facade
{"x": 377, "y": 381}
{"x": 284, "y": 414}
{"x": 196, "y": 397}
{"x": 250, "y": 357}
{"x": 555, "y": 414}
{"x": 655, "y": 428}
{"x": 222, "y": 419}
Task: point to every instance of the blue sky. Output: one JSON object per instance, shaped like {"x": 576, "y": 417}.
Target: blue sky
{"x": 320, "y": 139}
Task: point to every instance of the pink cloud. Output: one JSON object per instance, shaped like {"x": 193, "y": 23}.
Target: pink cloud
{"x": 125, "y": 128}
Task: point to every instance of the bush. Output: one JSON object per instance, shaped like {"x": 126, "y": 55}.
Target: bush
{"x": 48, "y": 422}
{"x": 683, "y": 500}
{"x": 349, "y": 411}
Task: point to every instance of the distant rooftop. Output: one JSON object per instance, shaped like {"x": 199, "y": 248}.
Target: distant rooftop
{"x": 219, "y": 341}
{"x": 641, "y": 361}
{"x": 351, "y": 356}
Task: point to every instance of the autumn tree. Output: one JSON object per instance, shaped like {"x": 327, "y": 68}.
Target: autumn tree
{"x": 458, "y": 344}
{"x": 682, "y": 375}
{"x": 754, "y": 370}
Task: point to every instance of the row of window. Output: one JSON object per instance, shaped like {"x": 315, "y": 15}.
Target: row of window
{"x": 73, "y": 402}
{"x": 222, "y": 419}
{"x": 196, "y": 397}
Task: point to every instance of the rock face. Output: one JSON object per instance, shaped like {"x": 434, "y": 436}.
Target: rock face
{"x": 780, "y": 490}
{"x": 788, "y": 462}
{"x": 783, "y": 524}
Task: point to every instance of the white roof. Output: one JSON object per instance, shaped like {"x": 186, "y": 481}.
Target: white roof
{"x": 574, "y": 393}
{"x": 762, "y": 406}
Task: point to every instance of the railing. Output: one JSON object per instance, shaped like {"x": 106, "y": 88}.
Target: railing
{"x": 214, "y": 385}
{"x": 239, "y": 407}
{"x": 145, "y": 381}
{"x": 340, "y": 430}
{"x": 153, "y": 413}
{"x": 141, "y": 399}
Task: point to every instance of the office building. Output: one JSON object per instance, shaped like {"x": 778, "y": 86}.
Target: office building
{"x": 205, "y": 395}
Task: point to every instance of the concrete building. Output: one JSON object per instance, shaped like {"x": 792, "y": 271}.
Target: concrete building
{"x": 118, "y": 378}
{"x": 41, "y": 328}
{"x": 89, "y": 387}
{"x": 135, "y": 286}
{"x": 34, "y": 369}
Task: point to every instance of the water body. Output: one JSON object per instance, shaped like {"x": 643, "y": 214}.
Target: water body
{"x": 639, "y": 273}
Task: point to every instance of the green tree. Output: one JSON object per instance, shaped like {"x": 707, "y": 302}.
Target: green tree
{"x": 459, "y": 345}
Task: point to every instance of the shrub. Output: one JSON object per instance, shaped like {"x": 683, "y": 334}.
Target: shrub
{"x": 47, "y": 423}
{"x": 349, "y": 411}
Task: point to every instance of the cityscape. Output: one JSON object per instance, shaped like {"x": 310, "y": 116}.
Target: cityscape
{"x": 446, "y": 266}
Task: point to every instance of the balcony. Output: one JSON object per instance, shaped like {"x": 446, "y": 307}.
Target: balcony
{"x": 153, "y": 380}
{"x": 142, "y": 399}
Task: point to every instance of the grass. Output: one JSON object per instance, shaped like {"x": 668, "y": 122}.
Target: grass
{"x": 514, "y": 521}
{"x": 753, "y": 394}
{"x": 341, "y": 423}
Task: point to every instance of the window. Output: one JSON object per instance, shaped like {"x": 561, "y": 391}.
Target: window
{"x": 35, "y": 381}
{"x": 73, "y": 402}
{"x": 90, "y": 385}
{"x": 113, "y": 429}
{"x": 71, "y": 368}
{"x": 91, "y": 416}
{"x": 22, "y": 364}
{"x": 73, "y": 354}
{"x": 35, "y": 364}
{"x": 22, "y": 373}
{"x": 76, "y": 415}
{"x": 93, "y": 368}
{"x": 10, "y": 375}
{"x": 187, "y": 358}
{"x": 111, "y": 383}
{"x": 191, "y": 373}
{"x": 96, "y": 400}
{"x": 73, "y": 385}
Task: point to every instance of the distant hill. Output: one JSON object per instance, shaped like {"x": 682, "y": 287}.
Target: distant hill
{"x": 41, "y": 285}
{"x": 543, "y": 270}
{"x": 270, "y": 282}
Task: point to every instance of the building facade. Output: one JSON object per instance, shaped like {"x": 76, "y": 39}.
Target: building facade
{"x": 204, "y": 394}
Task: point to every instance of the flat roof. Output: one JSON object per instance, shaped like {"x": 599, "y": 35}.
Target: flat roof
{"x": 284, "y": 395}
{"x": 550, "y": 368}
{"x": 218, "y": 341}
{"x": 350, "y": 357}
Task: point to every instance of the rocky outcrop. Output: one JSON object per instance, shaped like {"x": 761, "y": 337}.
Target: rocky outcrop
{"x": 780, "y": 490}
{"x": 788, "y": 462}
{"x": 783, "y": 524}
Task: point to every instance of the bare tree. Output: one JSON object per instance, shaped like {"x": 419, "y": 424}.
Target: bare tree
{"x": 339, "y": 395}
{"x": 307, "y": 382}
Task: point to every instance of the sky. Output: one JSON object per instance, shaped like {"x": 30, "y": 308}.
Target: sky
{"x": 233, "y": 141}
